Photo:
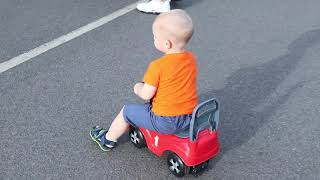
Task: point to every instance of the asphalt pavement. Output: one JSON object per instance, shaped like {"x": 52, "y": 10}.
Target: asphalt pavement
{"x": 259, "y": 58}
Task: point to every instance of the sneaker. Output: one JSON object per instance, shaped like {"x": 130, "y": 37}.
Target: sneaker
{"x": 154, "y": 6}
{"x": 98, "y": 135}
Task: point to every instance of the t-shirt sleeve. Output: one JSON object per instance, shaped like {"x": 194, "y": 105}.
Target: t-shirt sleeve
{"x": 152, "y": 75}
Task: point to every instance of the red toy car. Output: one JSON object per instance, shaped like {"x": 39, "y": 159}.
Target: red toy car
{"x": 187, "y": 151}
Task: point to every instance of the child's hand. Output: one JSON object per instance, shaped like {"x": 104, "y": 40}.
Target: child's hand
{"x": 144, "y": 91}
{"x": 137, "y": 88}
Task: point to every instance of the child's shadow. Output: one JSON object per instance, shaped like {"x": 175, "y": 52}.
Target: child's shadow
{"x": 249, "y": 88}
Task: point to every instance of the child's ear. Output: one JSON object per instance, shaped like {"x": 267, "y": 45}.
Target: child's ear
{"x": 168, "y": 44}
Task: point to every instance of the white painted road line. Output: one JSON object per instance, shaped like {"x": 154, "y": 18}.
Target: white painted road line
{"x": 65, "y": 38}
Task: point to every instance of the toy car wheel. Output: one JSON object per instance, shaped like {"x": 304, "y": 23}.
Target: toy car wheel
{"x": 176, "y": 165}
{"x": 137, "y": 138}
{"x": 199, "y": 168}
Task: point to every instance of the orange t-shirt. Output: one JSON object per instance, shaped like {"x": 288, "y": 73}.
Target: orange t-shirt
{"x": 175, "y": 77}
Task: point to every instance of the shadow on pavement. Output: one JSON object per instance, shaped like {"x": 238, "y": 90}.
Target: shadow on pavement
{"x": 183, "y": 4}
{"x": 249, "y": 88}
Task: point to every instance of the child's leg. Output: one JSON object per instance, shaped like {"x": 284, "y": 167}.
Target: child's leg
{"x": 136, "y": 114}
{"x": 118, "y": 127}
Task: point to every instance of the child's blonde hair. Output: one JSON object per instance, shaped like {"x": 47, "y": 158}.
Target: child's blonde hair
{"x": 177, "y": 25}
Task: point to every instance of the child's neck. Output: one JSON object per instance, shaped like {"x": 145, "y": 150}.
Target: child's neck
{"x": 175, "y": 51}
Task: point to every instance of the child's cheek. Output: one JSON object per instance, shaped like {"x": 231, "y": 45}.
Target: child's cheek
{"x": 157, "y": 45}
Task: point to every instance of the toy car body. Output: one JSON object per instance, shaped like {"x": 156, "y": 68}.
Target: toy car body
{"x": 187, "y": 150}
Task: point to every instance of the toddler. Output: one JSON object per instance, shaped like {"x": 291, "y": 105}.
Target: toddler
{"x": 169, "y": 84}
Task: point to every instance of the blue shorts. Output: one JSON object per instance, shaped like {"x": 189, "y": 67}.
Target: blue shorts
{"x": 140, "y": 115}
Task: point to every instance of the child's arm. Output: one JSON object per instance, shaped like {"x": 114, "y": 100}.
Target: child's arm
{"x": 144, "y": 90}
